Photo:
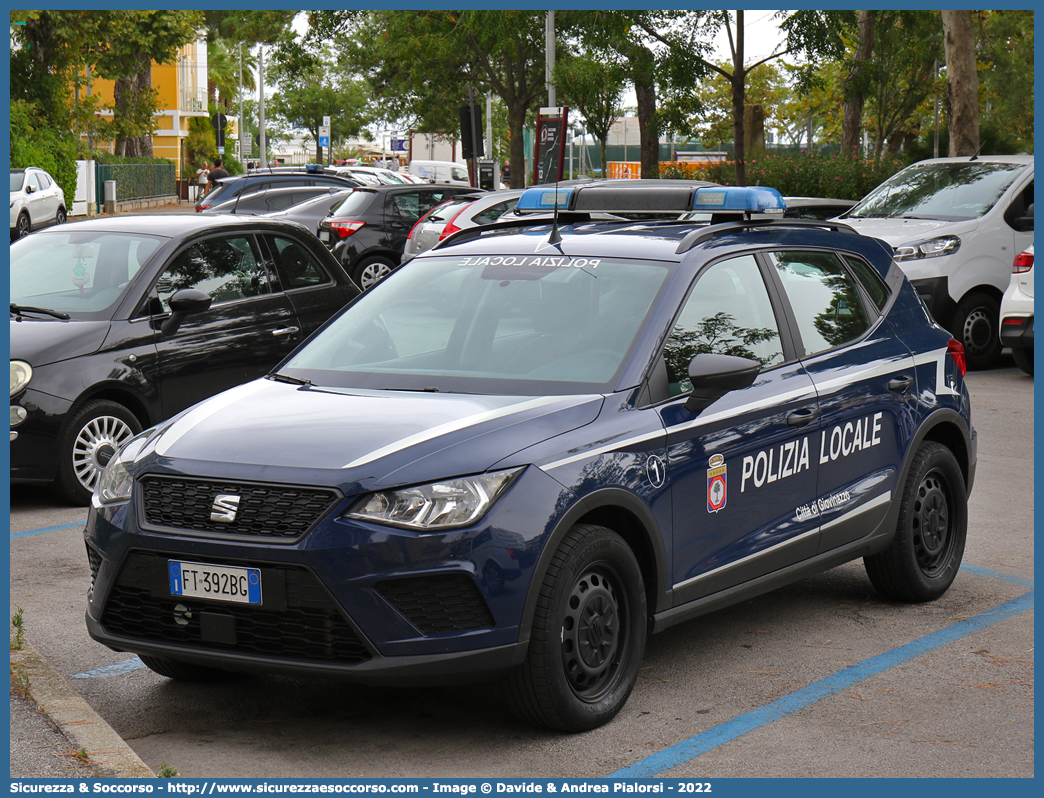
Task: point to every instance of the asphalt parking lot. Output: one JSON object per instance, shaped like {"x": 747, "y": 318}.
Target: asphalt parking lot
{"x": 819, "y": 679}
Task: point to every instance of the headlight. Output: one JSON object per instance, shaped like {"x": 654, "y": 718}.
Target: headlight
{"x": 933, "y": 248}
{"x": 116, "y": 482}
{"x": 21, "y": 373}
{"x": 440, "y": 505}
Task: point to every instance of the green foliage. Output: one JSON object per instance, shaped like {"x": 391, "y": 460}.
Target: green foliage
{"x": 200, "y": 145}
{"x": 34, "y": 142}
{"x": 166, "y": 771}
{"x": 18, "y": 643}
{"x": 19, "y": 681}
{"x": 840, "y": 176}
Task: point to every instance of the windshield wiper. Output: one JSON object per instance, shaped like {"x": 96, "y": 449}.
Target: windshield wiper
{"x": 291, "y": 380}
{"x": 20, "y": 309}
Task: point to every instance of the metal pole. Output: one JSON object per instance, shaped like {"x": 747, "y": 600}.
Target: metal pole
{"x": 241, "y": 127}
{"x": 261, "y": 103}
{"x": 572, "y": 136}
{"x": 489, "y": 132}
{"x": 549, "y": 47}
{"x": 935, "y": 76}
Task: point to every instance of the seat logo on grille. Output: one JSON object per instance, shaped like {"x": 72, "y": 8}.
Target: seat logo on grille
{"x": 224, "y": 509}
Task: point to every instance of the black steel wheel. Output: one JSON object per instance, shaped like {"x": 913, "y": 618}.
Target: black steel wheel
{"x": 588, "y": 634}
{"x": 91, "y": 437}
{"x": 183, "y": 671}
{"x": 976, "y": 324}
{"x": 922, "y": 560}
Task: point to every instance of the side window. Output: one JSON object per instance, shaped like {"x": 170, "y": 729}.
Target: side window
{"x": 827, "y": 303}
{"x": 296, "y": 266}
{"x": 1018, "y": 208}
{"x": 727, "y": 313}
{"x": 226, "y": 268}
{"x": 494, "y": 212}
{"x": 870, "y": 280}
{"x": 406, "y": 206}
{"x": 45, "y": 181}
{"x": 32, "y": 181}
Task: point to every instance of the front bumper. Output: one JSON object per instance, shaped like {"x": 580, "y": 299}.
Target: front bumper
{"x": 34, "y": 449}
{"x": 367, "y": 602}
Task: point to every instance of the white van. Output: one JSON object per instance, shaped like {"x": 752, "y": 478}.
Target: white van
{"x": 455, "y": 174}
{"x": 955, "y": 225}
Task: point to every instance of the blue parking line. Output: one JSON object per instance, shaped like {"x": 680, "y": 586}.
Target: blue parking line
{"x": 29, "y": 532}
{"x": 118, "y": 669}
{"x": 737, "y": 727}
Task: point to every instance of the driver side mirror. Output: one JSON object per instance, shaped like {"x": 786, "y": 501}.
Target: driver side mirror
{"x": 183, "y": 303}
{"x": 713, "y": 376}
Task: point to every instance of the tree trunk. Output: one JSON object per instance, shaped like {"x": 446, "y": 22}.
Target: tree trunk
{"x": 962, "y": 82}
{"x": 132, "y": 99}
{"x": 645, "y": 96}
{"x": 738, "y": 101}
{"x": 852, "y": 122}
{"x": 516, "y": 126}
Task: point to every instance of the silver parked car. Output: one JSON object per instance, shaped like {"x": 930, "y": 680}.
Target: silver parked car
{"x": 458, "y": 213}
{"x": 36, "y": 201}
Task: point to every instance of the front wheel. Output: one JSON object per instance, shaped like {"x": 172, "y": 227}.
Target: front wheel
{"x": 60, "y": 217}
{"x": 976, "y": 324}
{"x": 923, "y": 558}
{"x": 1023, "y": 358}
{"x": 90, "y": 439}
{"x": 22, "y": 226}
{"x": 371, "y": 271}
{"x": 588, "y": 634}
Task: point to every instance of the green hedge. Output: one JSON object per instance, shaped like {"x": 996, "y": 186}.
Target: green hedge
{"x": 801, "y": 175}
{"x": 35, "y": 144}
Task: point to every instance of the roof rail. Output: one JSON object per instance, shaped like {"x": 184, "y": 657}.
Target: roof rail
{"x": 725, "y": 228}
{"x": 469, "y": 233}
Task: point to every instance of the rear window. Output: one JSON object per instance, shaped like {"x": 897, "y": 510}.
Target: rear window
{"x": 356, "y": 202}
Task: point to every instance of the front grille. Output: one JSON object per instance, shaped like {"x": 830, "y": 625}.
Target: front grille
{"x": 282, "y": 512}
{"x": 94, "y": 559}
{"x": 439, "y": 604}
{"x": 299, "y": 621}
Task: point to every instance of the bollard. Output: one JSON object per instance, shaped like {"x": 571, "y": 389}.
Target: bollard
{"x": 110, "y": 196}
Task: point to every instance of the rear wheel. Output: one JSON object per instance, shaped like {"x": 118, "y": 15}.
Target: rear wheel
{"x": 976, "y": 324}
{"x": 371, "y": 271}
{"x": 183, "y": 671}
{"x": 588, "y": 634}
{"x": 1023, "y": 358}
{"x": 90, "y": 439}
{"x": 923, "y": 558}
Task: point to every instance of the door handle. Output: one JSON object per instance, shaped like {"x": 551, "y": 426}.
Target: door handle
{"x": 900, "y": 383}
{"x": 803, "y": 416}
{"x": 286, "y": 331}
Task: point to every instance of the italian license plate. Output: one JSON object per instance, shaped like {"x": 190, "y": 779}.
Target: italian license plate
{"x": 216, "y": 582}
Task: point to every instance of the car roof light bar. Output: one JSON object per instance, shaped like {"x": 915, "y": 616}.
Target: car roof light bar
{"x": 639, "y": 197}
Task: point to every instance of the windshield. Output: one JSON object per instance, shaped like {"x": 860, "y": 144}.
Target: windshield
{"x": 16, "y": 180}
{"x": 83, "y": 274}
{"x": 518, "y": 325}
{"x": 948, "y": 191}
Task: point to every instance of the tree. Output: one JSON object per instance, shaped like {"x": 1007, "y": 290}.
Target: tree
{"x": 962, "y": 82}
{"x": 129, "y": 42}
{"x": 306, "y": 95}
{"x": 856, "y": 84}
{"x": 593, "y": 87}
{"x": 1004, "y": 42}
{"x": 419, "y": 63}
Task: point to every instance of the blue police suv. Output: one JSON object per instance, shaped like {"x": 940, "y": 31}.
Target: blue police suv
{"x": 541, "y": 440}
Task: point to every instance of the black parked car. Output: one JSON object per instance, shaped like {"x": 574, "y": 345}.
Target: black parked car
{"x": 119, "y": 323}
{"x": 367, "y": 232}
{"x": 272, "y": 200}
{"x": 228, "y": 188}
{"x": 310, "y": 212}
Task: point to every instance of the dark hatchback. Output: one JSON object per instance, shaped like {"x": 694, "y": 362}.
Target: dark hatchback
{"x": 119, "y": 323}
{"x": 367, "y": 232}
{"x": 230, "y": 187}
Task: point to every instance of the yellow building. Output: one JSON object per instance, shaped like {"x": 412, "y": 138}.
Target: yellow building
{"x": 181, "y": 86}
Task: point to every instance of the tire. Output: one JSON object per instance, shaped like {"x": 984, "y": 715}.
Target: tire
{"x": 923, "y": 558}
{"x": 371, "y": 271}
{"x": 588, "y": 635}
{"x": 976, "y": 324}
{"x": 183, "y": 671}
{"x": 90, "y": 438}
{"x": 22, "y": 225}
{"x": 1023, "y": 358}
{"x": 61, "y": 217}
